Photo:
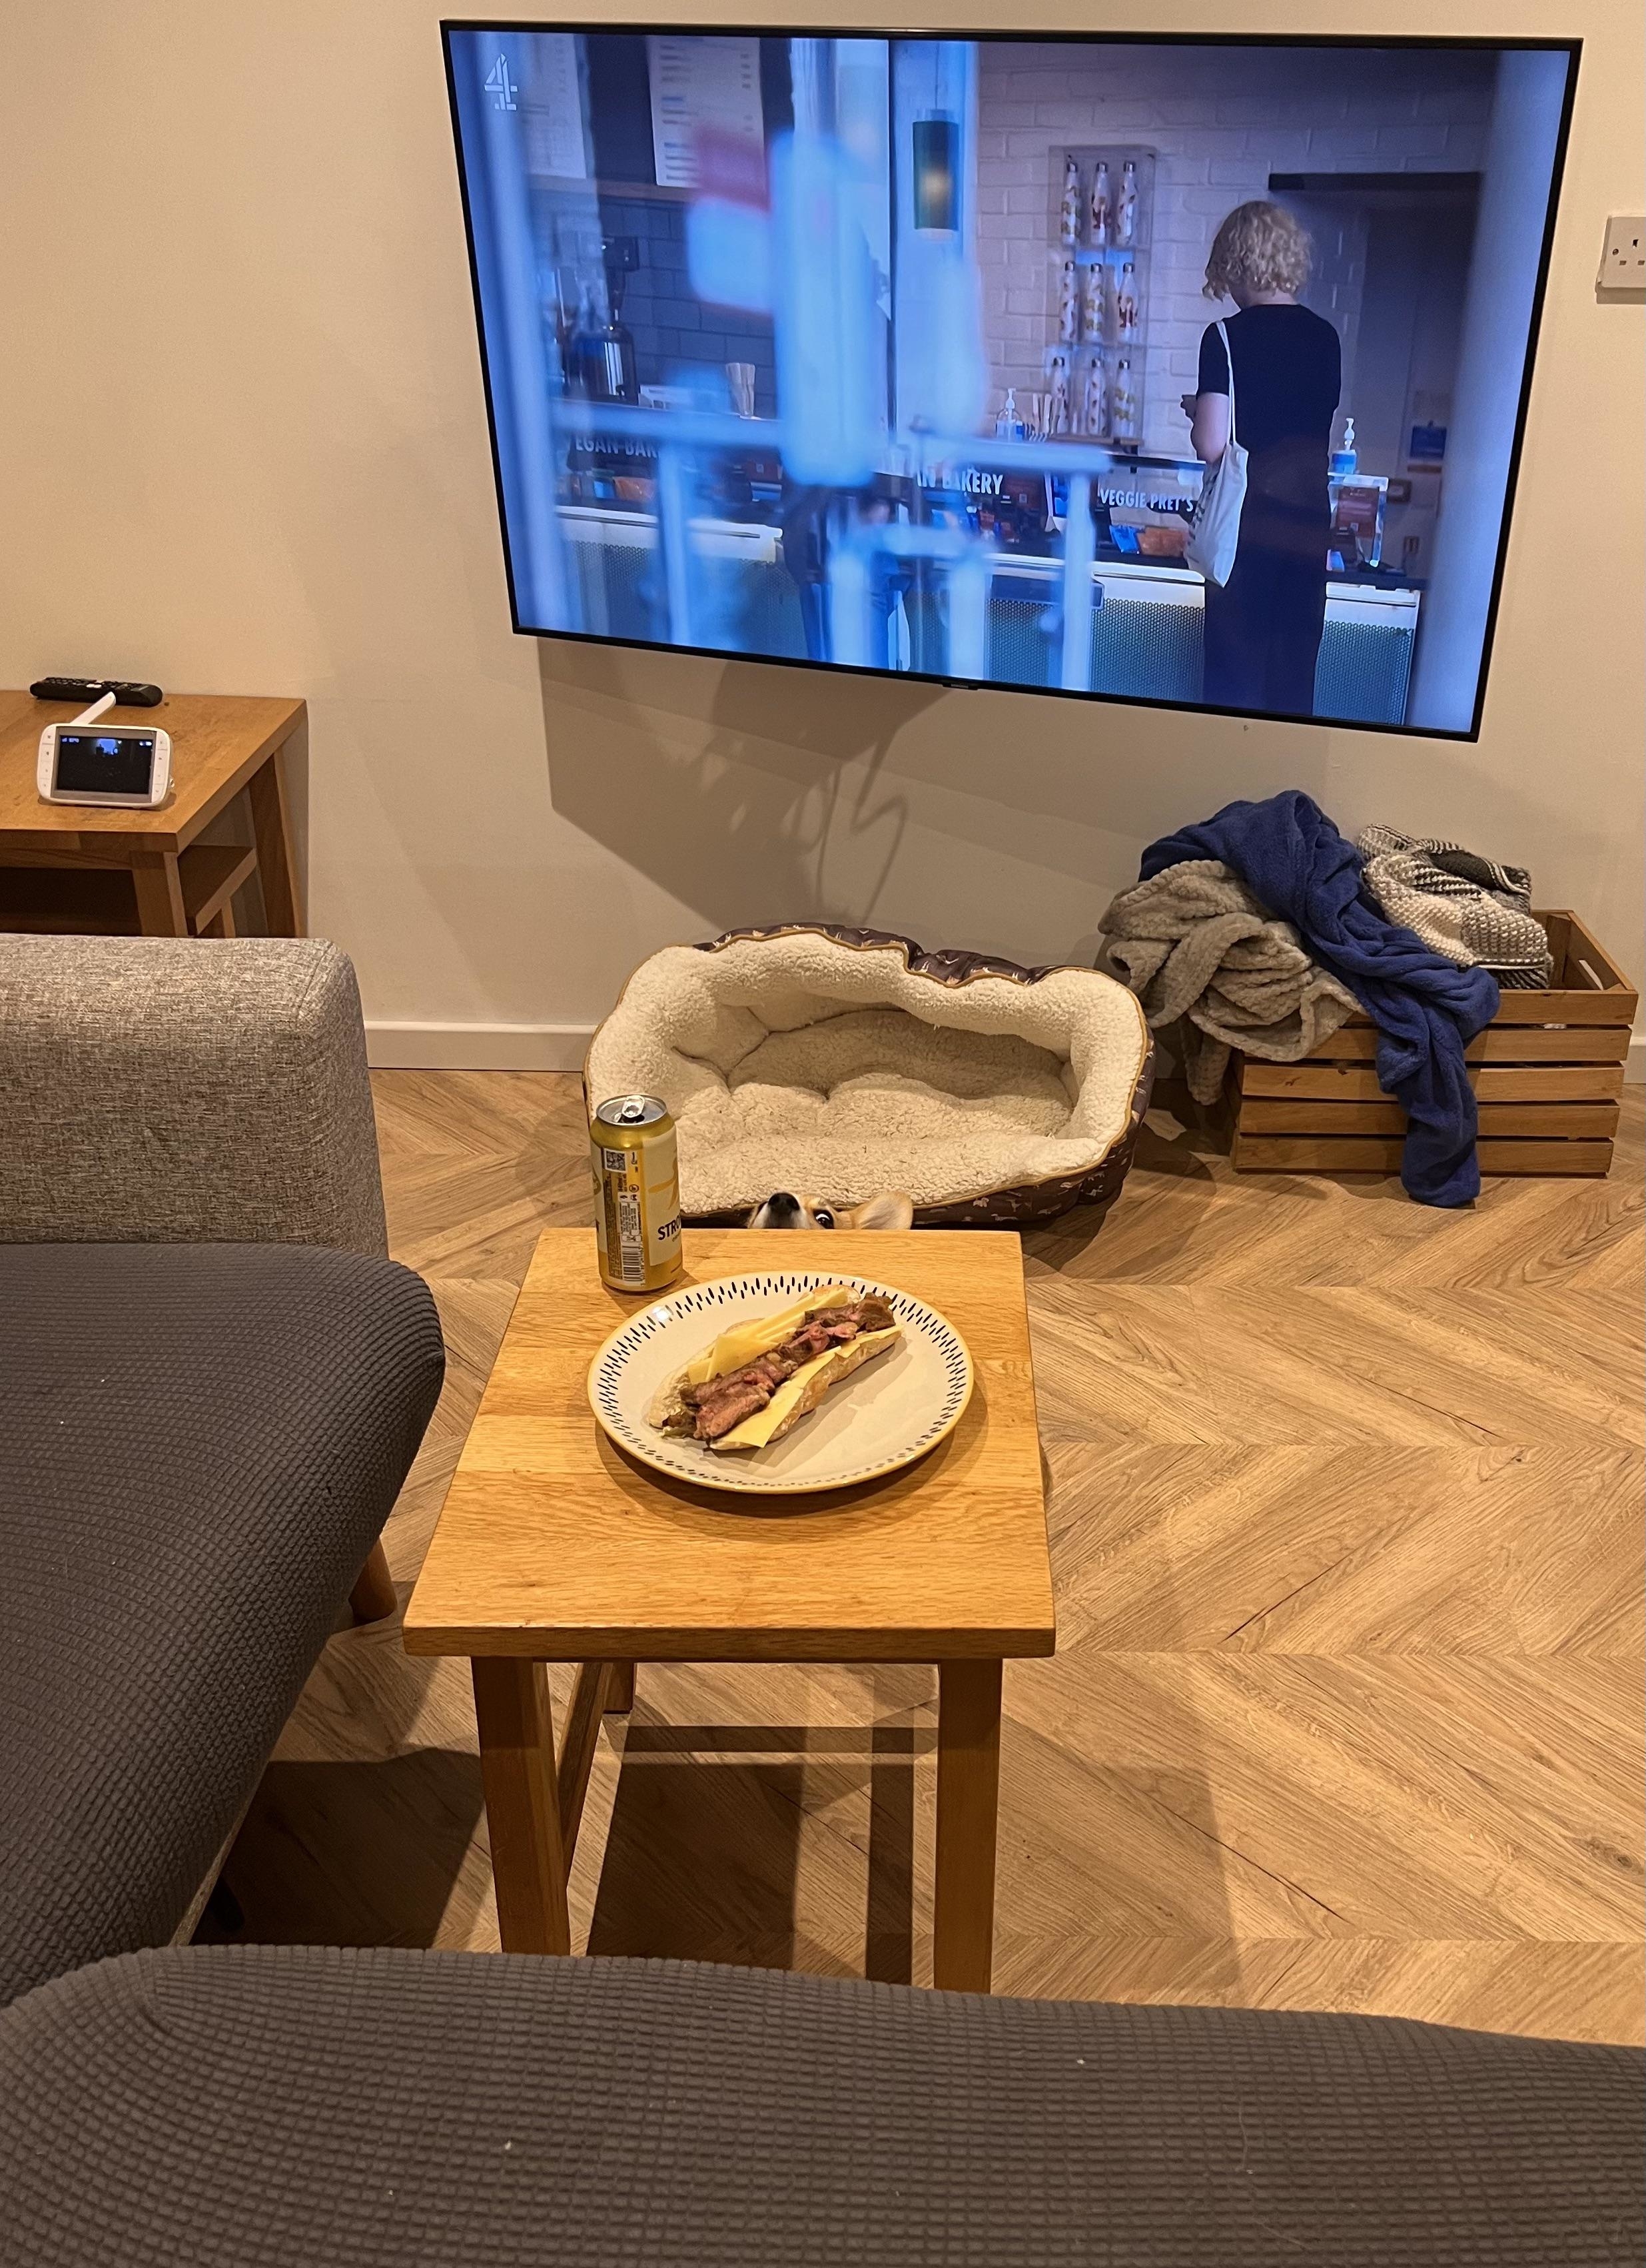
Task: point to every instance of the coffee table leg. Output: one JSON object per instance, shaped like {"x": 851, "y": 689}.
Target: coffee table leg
{"x": 968, "y": 1788}
{"x": 620, "y": 1691}
{"x": 516, "y": 1762}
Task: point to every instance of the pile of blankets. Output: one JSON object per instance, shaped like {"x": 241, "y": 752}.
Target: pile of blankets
{"x": 1259, "y": 929}
{"x": 1193, "y": 944}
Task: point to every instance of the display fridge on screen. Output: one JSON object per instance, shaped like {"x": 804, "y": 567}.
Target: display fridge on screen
{"x": 925, "y": 354}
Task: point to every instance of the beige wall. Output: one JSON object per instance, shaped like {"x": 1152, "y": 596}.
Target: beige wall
{"x": 243, "y": 447}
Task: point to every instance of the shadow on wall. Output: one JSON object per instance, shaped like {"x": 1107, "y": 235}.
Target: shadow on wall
{"x": 995, "y": 820}
{"x": 725, "y": 782}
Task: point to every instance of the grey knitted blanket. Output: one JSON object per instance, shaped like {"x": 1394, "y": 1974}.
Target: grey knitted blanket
{"x": 1194, "y": 944}
{"x": 1466, "y": 908}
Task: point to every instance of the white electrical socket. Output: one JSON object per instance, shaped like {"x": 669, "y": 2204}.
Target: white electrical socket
{"x": 1623, "y": 256}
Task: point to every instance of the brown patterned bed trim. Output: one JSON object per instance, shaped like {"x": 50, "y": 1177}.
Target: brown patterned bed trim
{"x": 1024, "y": 1202}
{"x": 1033, "y": 1201}
{"x": 950, "y": 964}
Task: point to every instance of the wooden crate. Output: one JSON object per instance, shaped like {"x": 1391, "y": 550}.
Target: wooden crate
{"x": 1547, "y": 1072}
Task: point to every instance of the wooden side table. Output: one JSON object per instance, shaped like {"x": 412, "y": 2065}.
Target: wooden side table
{"x": 553, "y": 1546}
{"x": 222, "y": 744}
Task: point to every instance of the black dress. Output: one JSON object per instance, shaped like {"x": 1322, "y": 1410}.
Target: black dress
{"x": 1263, "y": 626}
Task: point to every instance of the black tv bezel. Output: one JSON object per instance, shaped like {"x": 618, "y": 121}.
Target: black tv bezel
{"x": 1026, "y": 36}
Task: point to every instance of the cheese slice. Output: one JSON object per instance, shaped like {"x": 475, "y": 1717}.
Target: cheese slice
{"x": 744, "y": 1342}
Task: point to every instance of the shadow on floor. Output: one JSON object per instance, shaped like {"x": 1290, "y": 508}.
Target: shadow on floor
{"x": 702, "y": 1858}
{"x": 1179, "y": 1146}
{"x": 308, "y": 1865}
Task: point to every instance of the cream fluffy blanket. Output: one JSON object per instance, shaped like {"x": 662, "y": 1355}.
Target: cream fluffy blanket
{"x": 796, "y": 1062}
{"x": 1194, "y": 943}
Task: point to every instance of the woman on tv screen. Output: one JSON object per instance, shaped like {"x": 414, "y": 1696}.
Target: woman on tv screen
{"x": 1263, "y": 628}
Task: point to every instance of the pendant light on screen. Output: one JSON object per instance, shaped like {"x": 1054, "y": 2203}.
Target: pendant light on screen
{"x": 935, "y": 180}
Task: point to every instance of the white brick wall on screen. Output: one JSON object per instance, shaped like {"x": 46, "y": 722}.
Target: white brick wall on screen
{"x": 1221, "y": 120}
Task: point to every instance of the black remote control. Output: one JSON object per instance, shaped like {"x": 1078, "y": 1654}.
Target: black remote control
{"x": 87, "y": 689}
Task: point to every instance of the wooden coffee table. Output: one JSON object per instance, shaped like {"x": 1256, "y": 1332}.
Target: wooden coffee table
{"x": 553, "y": 1546}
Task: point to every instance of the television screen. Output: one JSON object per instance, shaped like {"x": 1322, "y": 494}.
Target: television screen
{"x": 1189, "y": 371}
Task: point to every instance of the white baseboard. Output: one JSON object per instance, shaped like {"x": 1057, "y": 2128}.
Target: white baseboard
{"x": 561, "y": 1047}
{"x": 478, "y": 1047}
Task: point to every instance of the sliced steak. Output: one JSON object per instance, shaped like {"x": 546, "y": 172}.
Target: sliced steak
{"x": 715, "y": 1407}
{"x": 740, "y": 1398}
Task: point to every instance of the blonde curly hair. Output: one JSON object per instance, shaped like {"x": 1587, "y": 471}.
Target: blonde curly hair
{"x": 1260, "y": 247}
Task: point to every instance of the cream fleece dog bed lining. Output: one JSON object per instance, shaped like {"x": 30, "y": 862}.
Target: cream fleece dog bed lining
{"x": 840, "y": 1062}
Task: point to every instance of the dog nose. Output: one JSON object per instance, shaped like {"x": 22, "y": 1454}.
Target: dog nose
{"x": 781, "y": 1206}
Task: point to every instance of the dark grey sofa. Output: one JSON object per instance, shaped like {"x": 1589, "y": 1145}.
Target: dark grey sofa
{"x": 282, "y": 2108}
{"x": 198, "y": 1446}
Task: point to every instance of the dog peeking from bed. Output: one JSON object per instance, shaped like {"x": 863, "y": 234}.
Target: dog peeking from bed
{"x": 891, "y": 1208}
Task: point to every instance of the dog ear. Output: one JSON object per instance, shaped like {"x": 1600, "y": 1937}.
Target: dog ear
{"x": 890, "y": 1209}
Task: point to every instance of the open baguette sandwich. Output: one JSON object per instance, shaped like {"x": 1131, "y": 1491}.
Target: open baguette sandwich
{"x": 759, "y": 1380}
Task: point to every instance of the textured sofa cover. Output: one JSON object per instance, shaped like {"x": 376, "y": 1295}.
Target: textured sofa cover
{"x": 239, "y": 2108}
{"x": 838, "y": 1062}
{"x": 198, "y": 1445}
{"x": 159, "y": 1088}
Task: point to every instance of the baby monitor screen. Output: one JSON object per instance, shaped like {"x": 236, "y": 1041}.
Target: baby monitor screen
{"x": 104, "y": 763}
{"x": 1187, "y": 372}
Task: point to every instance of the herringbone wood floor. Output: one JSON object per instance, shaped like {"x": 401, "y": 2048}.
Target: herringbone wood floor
{"x": 1345, "y": 1510}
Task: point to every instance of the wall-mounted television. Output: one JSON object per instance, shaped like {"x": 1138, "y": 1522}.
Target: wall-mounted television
{"x": 917, "y": 355}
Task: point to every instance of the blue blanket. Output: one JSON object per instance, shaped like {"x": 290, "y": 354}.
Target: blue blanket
{"x": 1427, "y": 1009}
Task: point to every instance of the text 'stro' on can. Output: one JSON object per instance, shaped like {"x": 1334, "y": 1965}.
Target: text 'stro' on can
{"x": 637, "y": 1193}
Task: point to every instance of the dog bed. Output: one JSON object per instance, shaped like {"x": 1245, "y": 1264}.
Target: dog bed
{"x": 837, "y": 1063}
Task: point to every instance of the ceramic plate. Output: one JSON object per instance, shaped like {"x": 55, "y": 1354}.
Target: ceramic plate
{"x": 887, "y": 1414}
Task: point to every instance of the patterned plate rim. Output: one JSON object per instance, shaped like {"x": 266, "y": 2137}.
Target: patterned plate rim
{"x": 796, "y": 1282}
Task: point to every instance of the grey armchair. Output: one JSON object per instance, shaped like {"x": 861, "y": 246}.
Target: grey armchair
{"x": 212, "y": 1384}
{"x": 159, "y": 1091}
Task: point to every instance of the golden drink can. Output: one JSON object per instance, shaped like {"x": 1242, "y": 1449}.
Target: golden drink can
{"x": 637, "y": 1193}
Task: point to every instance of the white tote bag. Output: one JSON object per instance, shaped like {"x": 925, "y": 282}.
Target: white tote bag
{"x": 1214, "y": 537}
